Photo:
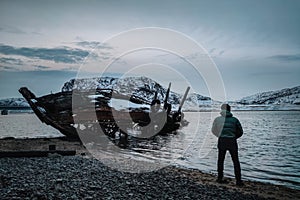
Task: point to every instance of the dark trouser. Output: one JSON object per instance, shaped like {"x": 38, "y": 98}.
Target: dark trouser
{"x": 229, "y": 144}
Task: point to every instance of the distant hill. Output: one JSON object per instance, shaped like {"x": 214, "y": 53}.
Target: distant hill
{"x": 13, "y": 102}
{"x": 140, "y": 86}
{"x": 285, "y": 99}
{"x": 284, "y": 96}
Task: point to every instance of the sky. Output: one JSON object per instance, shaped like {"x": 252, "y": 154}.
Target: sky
{"x": 255, "y": 45}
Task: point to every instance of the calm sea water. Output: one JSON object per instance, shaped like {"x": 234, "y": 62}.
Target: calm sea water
{"x": 269, "y": 149}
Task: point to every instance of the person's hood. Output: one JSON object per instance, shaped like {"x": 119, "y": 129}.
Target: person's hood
{"x": 226, "y": 113}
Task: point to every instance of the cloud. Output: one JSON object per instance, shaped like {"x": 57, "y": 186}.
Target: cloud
{"x": 212, "y": 50}
{"x": 221, "y": 52}
{"x": 93, "y": 44}
{"x": 286, "y": 58}
{"x": 41, "y": 67}
{"x": 10, "y": 61}
{"x": 7, "y": 68}
{"x": 58, "y": 55}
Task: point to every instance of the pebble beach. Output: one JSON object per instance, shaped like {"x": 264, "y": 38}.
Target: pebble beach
{"x": 83, "y": 177}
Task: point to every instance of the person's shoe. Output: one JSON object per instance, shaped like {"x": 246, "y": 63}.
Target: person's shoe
{"x": 240, "y": 183}
{"x": 221, "y": 181}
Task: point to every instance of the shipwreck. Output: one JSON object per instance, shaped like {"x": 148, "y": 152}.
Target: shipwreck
{"x": 149, "y": 118}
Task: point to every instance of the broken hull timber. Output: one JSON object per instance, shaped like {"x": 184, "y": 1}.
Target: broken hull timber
{"x": 56, "y": 110}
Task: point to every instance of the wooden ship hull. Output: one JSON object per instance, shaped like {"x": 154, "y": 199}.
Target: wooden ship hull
{"x": 59, "y": 111}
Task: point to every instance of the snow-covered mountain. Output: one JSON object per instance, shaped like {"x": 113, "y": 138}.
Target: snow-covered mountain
{"x": 144, "y": 87}
{"x": 13, "y": 102}
{"x": 284, "y": 96}
{"x": 285, "y": 99}
{"x": 140, "y": 86}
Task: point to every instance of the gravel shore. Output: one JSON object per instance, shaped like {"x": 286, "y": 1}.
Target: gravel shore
{"x": 82, "y": 177}
{"x": 75, "y": 177}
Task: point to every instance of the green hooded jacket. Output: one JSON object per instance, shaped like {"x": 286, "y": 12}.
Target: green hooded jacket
{"x": 227, "y": 126}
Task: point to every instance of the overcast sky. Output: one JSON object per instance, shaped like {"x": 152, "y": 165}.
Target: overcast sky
{"x": 255, "y": 44}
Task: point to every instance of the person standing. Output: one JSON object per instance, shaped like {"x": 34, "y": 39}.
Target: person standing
{"x": 228, "y": 129}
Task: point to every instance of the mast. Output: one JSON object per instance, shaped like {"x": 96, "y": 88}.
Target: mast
{"x": 183, "y": 98}
{"x": 167, "y": 98}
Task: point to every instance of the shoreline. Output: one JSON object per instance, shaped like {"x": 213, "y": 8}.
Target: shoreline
{"x": 194, "y": 179}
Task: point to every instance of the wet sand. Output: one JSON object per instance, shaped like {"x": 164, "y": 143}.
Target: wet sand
{"x": 82, "y": 177}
